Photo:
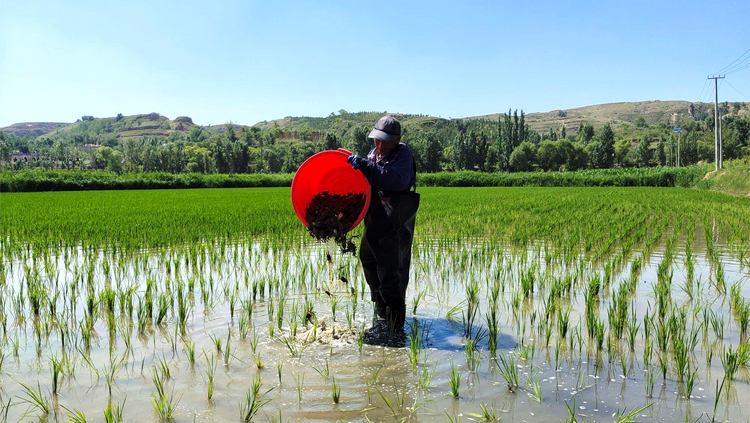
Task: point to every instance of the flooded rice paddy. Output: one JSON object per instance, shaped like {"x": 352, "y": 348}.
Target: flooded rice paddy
{"x": 650, "y": 329}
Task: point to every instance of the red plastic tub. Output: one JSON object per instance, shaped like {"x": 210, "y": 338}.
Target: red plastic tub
{"x": 327, "y": 171}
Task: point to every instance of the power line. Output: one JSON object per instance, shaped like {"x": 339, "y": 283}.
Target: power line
{"x": 729, "y": 65}
{"x": 740, "y": 63}
{"x": 739, "y": 69}
{"x": 703, "y": 89}
{"x": 737, "y": 90}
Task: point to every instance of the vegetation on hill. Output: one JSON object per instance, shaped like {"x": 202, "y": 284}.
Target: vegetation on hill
{"x": 507, "y": 142}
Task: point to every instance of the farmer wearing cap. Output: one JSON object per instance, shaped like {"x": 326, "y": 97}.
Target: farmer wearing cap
{"x": 385, "y": 251}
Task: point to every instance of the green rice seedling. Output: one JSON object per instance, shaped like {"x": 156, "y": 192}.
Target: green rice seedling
{"x": 717, "y": 323}
{"x": 162, "y": 366}
{"x": 690, "y": 380}
{"x": 415, "y": 342}
{"x": 258, "y": 362}
{"x": 210, "y": 373}
{"x": 228, "y": 349}
{"x": 74, "y": 415}
{"x": 291, "y": 345}
{"x": 626, "y": 416}
{"x": 563, "y": 321}
{"x": 663, "y": 364}
{"x": 419, "y": 297}
{"x": 508, "y": 370}
{"x": 335, "y": 390}
{"x": 425, "y": 377}
{"x": 299, "y": 380}
{"x": 190, "y": 351}
{"x": 717, "y": 397}
{"x": 453, "y": 311}
{"x": 650, "y": 382}
{"x": 489, "y": 414}
{"x": 217, "y": 341}
{"x": 254, "y": 400}
{"x": 254, "y": 341}
{"x": 324, "y": 371}
{"x": 730, "y": 363}
{"x": 243, "y": 326}
{"x": 114, "y": 412}
{"x": 454, "y": 381}
{"x": 56, "y": 368}
{"x": 360, "y": 339}
{"x": 536, "y": 389}
{"x": 334, "y": 306}
{"x": 36, "y": 399}
{"x": 473, "y": 356}
{"x": 163, "y": 404}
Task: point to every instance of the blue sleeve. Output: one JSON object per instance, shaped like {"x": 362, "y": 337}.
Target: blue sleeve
{"x": 395, "y": 176}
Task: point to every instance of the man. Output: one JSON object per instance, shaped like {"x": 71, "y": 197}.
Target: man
{"x": 385, "y": 251}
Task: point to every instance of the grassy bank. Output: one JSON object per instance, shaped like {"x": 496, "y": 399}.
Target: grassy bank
{"x": 734, "y": 179}
{"x": 62, "y": 180}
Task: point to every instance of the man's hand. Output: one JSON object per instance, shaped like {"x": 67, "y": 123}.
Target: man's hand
{"x": 358, "y": 163}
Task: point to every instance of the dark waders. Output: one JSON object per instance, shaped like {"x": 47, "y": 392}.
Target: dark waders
{"x": 385, "y": 251}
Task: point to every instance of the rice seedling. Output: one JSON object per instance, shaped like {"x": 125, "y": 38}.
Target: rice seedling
{"x": 535, "y": 390}
{"x": 164, "y": 404}
{"x": 508, "y": 370}
{"x": 650, "y": 382}
{"x": 626, "y": 416}
{"x": 254, "y": 400}
{"x": 114, "y": 412}
{"x": 489, "y": 414}
{"x": 210, "y": 373}
{"x": 74, "y": 415}
{"x": 335, "y": 390}
{"x": 454, "y": 381}
{"x": 36, "y": 399}
{"x": 299, "y": 381}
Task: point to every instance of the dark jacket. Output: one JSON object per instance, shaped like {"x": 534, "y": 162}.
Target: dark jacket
{"x": 392, "y": 173}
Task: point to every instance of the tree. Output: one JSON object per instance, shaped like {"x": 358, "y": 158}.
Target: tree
{"x": 640, "y": 122}
{"x": 87, "y": 118}
{"x": 643, "y": 154}
{"x": 622, "y": 148}
{"x": 585, "y": 133}
{"x": 358, "y": 142}
{"x": 427, "y": 152}
{"x": 330, "y": 142}
{"x": 548, "y": 156}
{"x": 563, "y": 135}
{"x": 198, "y": 159}
{"x": 661, "y": 156}
{"x": 523, "y": 157}
{"x": 603, "y": 155}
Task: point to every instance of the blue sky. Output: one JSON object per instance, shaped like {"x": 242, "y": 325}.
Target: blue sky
{"x": 242, "y": 61}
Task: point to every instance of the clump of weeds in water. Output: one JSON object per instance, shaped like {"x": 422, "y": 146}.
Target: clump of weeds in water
{"x": 210, "y": 372}
{"x": 335, "y": 390}
{"x": 489, "y": 414}
{"x": 331, "y": 216}
{"x": 114, "y": 413}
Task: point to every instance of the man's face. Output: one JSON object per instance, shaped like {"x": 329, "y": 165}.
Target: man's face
{"x": 384, "y": 148}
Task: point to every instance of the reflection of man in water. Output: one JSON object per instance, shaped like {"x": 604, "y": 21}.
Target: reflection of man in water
{"x": 385, "y": 251}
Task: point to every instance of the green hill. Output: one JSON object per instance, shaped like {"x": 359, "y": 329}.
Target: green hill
{"x": 156, "y": 125}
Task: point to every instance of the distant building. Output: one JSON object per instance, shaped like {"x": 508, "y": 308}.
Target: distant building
{"x": 18, "y": 156}
{"x": 87, "y": 148}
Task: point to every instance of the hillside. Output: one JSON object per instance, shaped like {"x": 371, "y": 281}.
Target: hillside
{"x": 153, "y": 124}
{"x": 32, "y": 129}
{"x": 616, "y": 114}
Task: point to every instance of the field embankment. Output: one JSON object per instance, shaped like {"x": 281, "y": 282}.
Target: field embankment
{"x": 734, "y": 179}
{"x": 62, "y": 180}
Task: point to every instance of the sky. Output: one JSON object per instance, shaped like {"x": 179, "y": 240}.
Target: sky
{"x": 246, "y": 61}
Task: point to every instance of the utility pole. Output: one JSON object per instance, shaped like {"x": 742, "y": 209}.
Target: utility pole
{"x": 717, "y": 136}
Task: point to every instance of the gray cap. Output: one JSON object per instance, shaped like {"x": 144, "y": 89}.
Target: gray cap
{"x": 386, "y": 130}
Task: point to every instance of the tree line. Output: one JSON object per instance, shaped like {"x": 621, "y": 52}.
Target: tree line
{"x": 507, "y": 145}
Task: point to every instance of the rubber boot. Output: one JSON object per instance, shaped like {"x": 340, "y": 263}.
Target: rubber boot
{"x": 380, "y": 309}
{"x": 396, "y": 316}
